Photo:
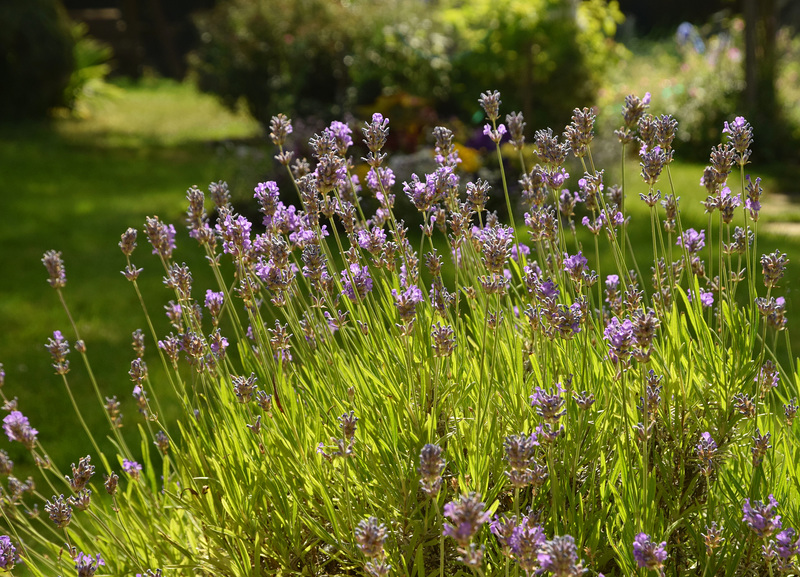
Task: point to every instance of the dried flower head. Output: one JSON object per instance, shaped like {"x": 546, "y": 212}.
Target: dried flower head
{"x": 560, "y": 556}
{"x": 431, "y": 465}
{"x": 490, "y": 102}
{"x": 279, "y": 128}
{"x": 371, "y": 536}
{"x": 55, "y": 269}
{"x": 81, "y": 473}
{"x": 127, "y": 241}
{"x": 713, "y": 538}
{"x": 760, "y": 447}
{"x": 59, "y": 510}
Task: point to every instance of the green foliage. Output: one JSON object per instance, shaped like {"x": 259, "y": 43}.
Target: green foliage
{"x": 36, "y": 57}
{"x": 281, "y": 54}
{"x": 88, "y": 83}
{"x": 323, "y": 58}
{"x": 545, "y": 56}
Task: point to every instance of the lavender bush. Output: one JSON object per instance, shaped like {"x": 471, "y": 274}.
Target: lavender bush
{"x": 496, "y": 400}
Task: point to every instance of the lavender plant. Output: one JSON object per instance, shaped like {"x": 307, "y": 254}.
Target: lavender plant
{"x": 527, "y": 401}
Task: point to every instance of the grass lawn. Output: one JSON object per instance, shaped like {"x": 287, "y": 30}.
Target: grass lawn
{"x": 75, "y": 186}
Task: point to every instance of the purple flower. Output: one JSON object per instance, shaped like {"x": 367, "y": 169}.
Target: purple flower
{"x": 648, "y": 554}
{"x": 235, "y": 234}
{"x": 773, "y": 266}
{"x": 548, "y": 403}
{"x": 575, "y": 265}
{"x": 466, "y": 516}
{"x": 526, "y": 542}
{"x": 218, "y": 344}
{"x": 761, "y": 517}
{"x": 406, "y": 302}
{"x": 740, "y": 135}
{"x": 560, "y": 557}
{"x": 360, "y": 283}
{"x": 373, "y": 241}
{"x": 214, "y": 302}
{"x": 693, "y": 241}
{"x": 558, "y": 177}
{"x": 547, "y": 290}
{"x": 495, "y": 134}
{"x": 380, "y": 180}
{"x": 17, "y": 428}
{"x": 767, "y": 378}
{"x": 59, "y": 348}
{"x": 620, "y": 340}
{"x": 518, "y": 249}
{"x": 706, "y": 298}
{"x": 375, "y": 134}
{"x": 331, "y": 172}
{"x": 8, "y": 553}
{"x": 161, "y": 236}
{"x": 87, "y": 565}
{"x": 341, "y": 134}
{"x": 753, "y": 201}
{"x": 132, "y": 468}
{"x": 787, "y": 543}
{"x": 268, "y": 196}
{"x": 706, "y": 450}
{"x": 612, "y": 282}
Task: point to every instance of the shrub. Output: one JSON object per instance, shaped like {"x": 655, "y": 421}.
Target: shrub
{"x": 283, "y": 54}
{"x": 545, "y": 56}
{"x": 323, "y": 58}
{"x": 698, "y": 76}
{"x": 88, "y": 81}
{"x": 36, "y": 58}
{"x": 351, "y": 404}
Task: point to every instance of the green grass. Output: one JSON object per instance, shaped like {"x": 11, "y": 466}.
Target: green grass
{"x": 75, "y": 186}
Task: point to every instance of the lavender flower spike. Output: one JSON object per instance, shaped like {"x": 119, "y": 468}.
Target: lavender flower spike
{"x": 761, "y": 517}
{"x": 86, "y": 565}
{"x": 466, "y": 516}
{"x": 649, "y": 555}
{"x": 560, "y": 557}
{"x": 17, "y": 428}
{"x": 8, "y": 554}
{"x": 55, "y": 269}
{"x": 431, "y": 465}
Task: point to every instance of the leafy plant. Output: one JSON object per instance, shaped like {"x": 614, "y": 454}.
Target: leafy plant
{"x": 350, "y": 403}
{"x": 87, "y": 82}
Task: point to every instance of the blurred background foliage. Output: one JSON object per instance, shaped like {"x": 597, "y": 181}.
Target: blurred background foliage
{"x": 36, "y": 57}
{"x": 545, "y": 56}
{"x": 424, "y": 61}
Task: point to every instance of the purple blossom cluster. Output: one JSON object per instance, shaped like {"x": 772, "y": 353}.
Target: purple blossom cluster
{"x": 761, "y": 517}
{"x": 17, "y": 428}
{"x": 648, "y": 554}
